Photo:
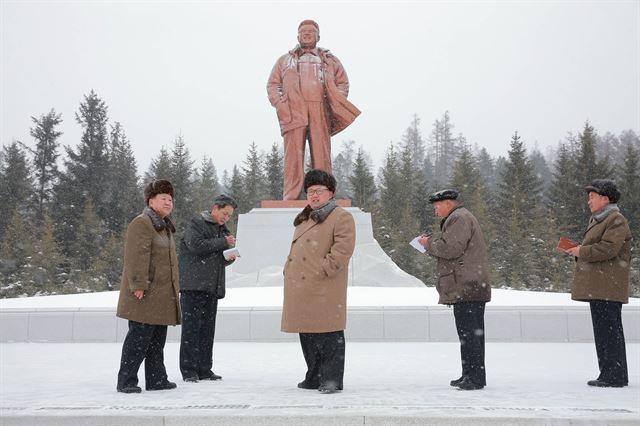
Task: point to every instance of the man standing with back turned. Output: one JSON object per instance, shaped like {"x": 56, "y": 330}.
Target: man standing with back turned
{"x": 308, "y": 87}
{"x": 463, "y": 281}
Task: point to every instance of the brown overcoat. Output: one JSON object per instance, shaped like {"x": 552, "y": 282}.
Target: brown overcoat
{"x": 602, "y": 268}
{"x": 150, "y": 264}
{"x": 463, "y": 267}
{"x": 316, "y": 274}
{"x": 283, "y": 89}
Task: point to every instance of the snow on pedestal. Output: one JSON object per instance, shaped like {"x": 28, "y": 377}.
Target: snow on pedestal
{"x": 264, "y": 238}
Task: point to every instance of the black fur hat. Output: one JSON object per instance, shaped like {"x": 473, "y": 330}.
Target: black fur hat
{"x": 604, "y": 187}
{"x": 156, "y": 187}
{"x": 319, "y": 177}
{"x": 445, "y": 194}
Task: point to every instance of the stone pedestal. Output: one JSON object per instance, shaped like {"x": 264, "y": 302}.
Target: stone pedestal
{"x": 264, "y": 238}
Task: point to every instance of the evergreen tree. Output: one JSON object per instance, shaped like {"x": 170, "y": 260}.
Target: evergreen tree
{"x": 235, "y": 188}
{"x": 566, "y": 195}
{"x": 206, "y": 186}
{"x": 182, "y": 181}
{"x": 15, "y": 254}
{"x": 390, "y": 201}
{"x": 160, "y": 167}
{"x": 486, "y": 168}
{"x": 48, "y": 261}
{"x": 45, "y": 157}
{"x": 87, "y": 170}
{"x": 413, "y": 140}
{"x": 274, "y": 171}
{"x": 541, "y": 169}
{"x": 89, "y": 239}
{"x": 15, "y": 184}
{"x": 629, "y": 185}
{"x": 362, "y": 183}
{"x": 342, "y": 169}
{"x": 442, "y": 149}
{"x": 253, "y": 178}
{"x": 123, "y": 188}
{"x": 519, "y": 196}
{"x": 107, "y": 266}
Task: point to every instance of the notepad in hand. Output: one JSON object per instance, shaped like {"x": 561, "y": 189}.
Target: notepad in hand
{"x": 228, "y": 253}
{"x": 565, "y": 243}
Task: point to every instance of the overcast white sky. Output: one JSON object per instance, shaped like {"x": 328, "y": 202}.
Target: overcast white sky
{"x": 200, "y": 69}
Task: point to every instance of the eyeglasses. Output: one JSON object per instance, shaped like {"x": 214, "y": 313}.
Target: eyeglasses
{"x": 318, "y": 191}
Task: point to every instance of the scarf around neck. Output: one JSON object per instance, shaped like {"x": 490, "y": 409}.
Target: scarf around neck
{"x": 318, "y": 215}
{"x": 602, "y": 214}
{"x": 158, "y": 223}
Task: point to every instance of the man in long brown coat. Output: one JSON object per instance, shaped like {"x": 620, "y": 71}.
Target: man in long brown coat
{"x": 602, "y": 279}
{"x": 308, "y": 87}
{"x": 315, "y": 283}
{"x": 149, "y": 291}
{"x": 463, "y": 281}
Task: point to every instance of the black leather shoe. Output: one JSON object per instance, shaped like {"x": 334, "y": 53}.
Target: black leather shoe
{"x": 163, "y": 386}
{"x": 130, "y": 389}
{"x": 193, "y": 379}
{"x": 211, "y": 376}
{"x": 306, "y": 385}
{"x": 329, "y": 389}
{"x": 456, "y": 382}
{"x": 467, "y": 384}
{"x": 602, "y": 384}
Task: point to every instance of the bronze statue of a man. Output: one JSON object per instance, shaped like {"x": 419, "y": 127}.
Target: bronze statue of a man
{"x": 308, "y": 86}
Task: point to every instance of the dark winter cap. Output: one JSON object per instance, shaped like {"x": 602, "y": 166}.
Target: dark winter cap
{"x": 604, "y": 187}
{"x": 445, "y": 194}
{"x": 156, "y": 187}
{"x": 319, "y": 177}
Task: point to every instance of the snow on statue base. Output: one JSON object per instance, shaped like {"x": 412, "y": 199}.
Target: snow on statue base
{"x": 264, "y": 238}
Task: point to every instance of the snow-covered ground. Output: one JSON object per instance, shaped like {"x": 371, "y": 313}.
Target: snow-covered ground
{"x": 272, "y": 297}
{"x": 385, "y": 382}
{"x": 541, "y": 383}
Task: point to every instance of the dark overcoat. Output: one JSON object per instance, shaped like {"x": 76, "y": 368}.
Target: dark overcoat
{"x": 202, "y": 265}
{"x": 602, "y": 268}
{"x": 463, "y": 267}
{"x": 150, "y": 264}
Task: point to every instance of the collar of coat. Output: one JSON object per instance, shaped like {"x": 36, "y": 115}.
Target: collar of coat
{"x": 602, "y": 214}
{"x": 158, "y": 223}
{"x": 317, "y": 215}
{"x": 297, "y": 51}
{"x": 444, "y": 219}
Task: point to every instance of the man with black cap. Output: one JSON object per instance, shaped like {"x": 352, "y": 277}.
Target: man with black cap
{"x": 602, "y": 278}
{"x": 463, "y": 281}
{"x": 315, "y": 282}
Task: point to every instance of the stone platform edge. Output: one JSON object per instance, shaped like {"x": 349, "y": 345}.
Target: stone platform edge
{"x": 375, "y": 323}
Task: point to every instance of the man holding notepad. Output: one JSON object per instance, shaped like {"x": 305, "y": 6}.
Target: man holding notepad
{"x": 202, "y": 261}
{"x": 602, "y": 279}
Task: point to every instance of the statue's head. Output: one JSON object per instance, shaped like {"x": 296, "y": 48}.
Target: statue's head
{"x": 308, "y": 34}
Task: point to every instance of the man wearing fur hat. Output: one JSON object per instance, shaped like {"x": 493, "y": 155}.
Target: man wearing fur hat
{"x": 463, "y": 281}
{"x": 315, "y": 282}
{"x": 602, "y": 278}
{"x": 308, "y": 87}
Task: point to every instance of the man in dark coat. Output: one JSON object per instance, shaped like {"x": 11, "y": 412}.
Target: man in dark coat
{"x": 202, "y": 283}
{"x": 463, "y": 281}
{"x": 602, "y": 279}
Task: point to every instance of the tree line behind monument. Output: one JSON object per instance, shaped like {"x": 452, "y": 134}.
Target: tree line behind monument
{"x": 61, "y": 228}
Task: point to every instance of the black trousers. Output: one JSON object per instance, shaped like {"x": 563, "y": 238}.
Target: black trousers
{"x": 199, "y": 309}
{"x": 470, "y": 325}
{"x": 609, "y": 338}
{"x": 324, "y": 355}
{"x": 143, "y": 342}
